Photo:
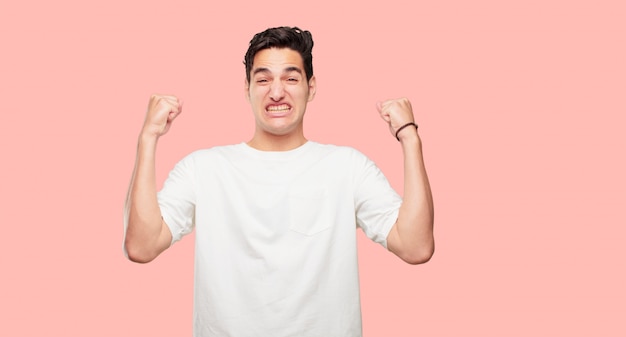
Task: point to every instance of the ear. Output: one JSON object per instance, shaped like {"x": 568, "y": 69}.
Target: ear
{"x": 312, "y": 88}
{"x": 246, "y": 86}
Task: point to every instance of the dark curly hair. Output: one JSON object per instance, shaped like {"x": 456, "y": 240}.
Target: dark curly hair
{"x": 282, "y": 37}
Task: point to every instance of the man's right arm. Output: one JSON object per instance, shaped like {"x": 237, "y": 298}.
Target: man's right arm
{"x": 146, "y": 234}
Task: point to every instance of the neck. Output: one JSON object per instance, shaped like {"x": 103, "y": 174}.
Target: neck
{"x": 270, "y": 142}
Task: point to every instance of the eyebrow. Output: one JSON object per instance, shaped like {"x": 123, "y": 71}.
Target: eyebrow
{"x": 286, "y": 70}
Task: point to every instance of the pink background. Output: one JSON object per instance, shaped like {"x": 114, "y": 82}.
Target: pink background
{"x": 521, "y": 106}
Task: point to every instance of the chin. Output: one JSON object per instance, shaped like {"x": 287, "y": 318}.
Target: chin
{"x": 280, "y": 130}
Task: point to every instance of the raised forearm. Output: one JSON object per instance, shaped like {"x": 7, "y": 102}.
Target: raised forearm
{"x": 146, "y": 235}
{"x": 411, "y": 237}
{"x": 144, "y": 225}
{"x": 416, "y": 216}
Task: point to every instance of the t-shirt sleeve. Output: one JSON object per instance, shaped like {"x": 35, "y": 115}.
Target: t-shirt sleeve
{"x": 376, "y": 203}
{"x": 177, "y": 199}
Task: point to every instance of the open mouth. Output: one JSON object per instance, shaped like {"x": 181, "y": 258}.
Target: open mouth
{"x": 278, "y": 110}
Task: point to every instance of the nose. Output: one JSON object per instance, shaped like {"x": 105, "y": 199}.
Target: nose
{"x": 277, "y": 91}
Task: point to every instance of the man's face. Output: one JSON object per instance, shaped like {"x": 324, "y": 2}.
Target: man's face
{"x": 278, "y": 91}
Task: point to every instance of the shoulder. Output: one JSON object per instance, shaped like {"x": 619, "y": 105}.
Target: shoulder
{"x": 340, "y": 150}
{"x": 214, "y": 152}
{"x": 345, "y": 158}
{"x": 203, "y": 158}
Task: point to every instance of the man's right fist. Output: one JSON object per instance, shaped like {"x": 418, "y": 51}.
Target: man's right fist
{"x": 162, "y": 110}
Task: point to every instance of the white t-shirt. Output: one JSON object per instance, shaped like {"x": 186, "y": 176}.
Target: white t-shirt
{"x": 276, "y": 247}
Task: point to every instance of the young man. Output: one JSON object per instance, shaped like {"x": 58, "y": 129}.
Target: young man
{"x": 275, "y": 217}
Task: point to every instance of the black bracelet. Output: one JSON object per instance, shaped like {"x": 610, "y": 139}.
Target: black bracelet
{"x": 402, "y": 127}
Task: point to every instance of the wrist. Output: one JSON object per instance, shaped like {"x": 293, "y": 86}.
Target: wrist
{"x": 147, "y": 138}
{"x": 411, "y": 137}
{"x": 148, "y": 134}
{"x": 406, "y": 130}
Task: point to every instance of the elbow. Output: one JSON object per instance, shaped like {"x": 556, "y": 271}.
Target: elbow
{"x": 419, "y": 256}
{"x": 137, "y": 254}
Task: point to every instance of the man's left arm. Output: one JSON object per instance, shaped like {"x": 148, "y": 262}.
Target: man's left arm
{"x": 411, "y": 237}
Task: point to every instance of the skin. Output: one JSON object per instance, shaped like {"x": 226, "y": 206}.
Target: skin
{"x": 278, "y": 93}
{"x": 411, "y": 238}
{"x": 146, "y": 234}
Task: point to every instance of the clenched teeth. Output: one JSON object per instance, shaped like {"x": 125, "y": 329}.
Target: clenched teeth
{"x": 282, "y": 107}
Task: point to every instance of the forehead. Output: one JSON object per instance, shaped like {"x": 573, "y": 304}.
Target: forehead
{"x": 277, "y": 59}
